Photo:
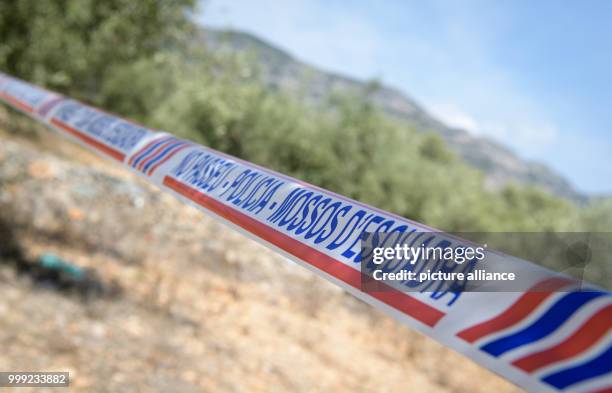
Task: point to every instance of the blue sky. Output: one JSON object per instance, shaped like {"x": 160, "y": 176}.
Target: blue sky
{"x": 536, "y": 76}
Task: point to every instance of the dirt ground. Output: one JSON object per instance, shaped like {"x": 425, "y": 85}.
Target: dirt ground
{"x": 178, "y": 302}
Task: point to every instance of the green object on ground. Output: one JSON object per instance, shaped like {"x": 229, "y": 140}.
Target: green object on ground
{"x": 53, "y": 262}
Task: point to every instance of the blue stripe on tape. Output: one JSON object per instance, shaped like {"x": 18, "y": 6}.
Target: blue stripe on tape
{"x": 161, "y": 155}
{"x": 600, "y": 365}
{"x": 546, "y": 324}
{"x": 149, "y": 150}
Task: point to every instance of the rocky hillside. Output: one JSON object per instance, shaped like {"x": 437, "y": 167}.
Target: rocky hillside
{"x": 175, "y": 301}
{"x": 280, "y": 70}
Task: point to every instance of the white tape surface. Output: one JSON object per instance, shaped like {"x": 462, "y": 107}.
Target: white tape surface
{"x": 541, "y": 340}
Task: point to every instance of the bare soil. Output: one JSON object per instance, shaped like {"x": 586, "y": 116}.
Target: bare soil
{"x": 182, "y": 303}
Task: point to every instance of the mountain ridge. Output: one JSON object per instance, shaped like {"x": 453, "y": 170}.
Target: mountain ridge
{"x": 283, "y": 71}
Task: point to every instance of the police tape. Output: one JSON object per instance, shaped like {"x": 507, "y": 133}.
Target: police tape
{"x": 552, "y": 337}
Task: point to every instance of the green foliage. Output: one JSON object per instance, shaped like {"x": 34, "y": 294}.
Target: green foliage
{"x": 140, "y": 59}
{"x": 74, "y": 46}
{"x": 350, "y": 148}
{"x": 434, "y": 149}
{"x": 597, "y": 217}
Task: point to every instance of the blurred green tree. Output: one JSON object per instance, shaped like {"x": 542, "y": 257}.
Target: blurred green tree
{"x": 73, "y": 46}
{"x": 145, "y": 60}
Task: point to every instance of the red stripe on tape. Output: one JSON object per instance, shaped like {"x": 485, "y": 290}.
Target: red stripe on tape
{"x": 517, "y": 312}
{"x": 146, "y": 147}
{"x": 47, "y": 106}
{"x": 402, "y": 302}
{"x": 152, "y": 155}
{"x": 117, "y": 155}
{"x": 169, "y": 156}
{"x": 587, "y": 335}
{"x": 18, "y": 104}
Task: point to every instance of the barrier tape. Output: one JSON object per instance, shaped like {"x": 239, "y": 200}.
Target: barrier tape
{"x": 539, "y": 339}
